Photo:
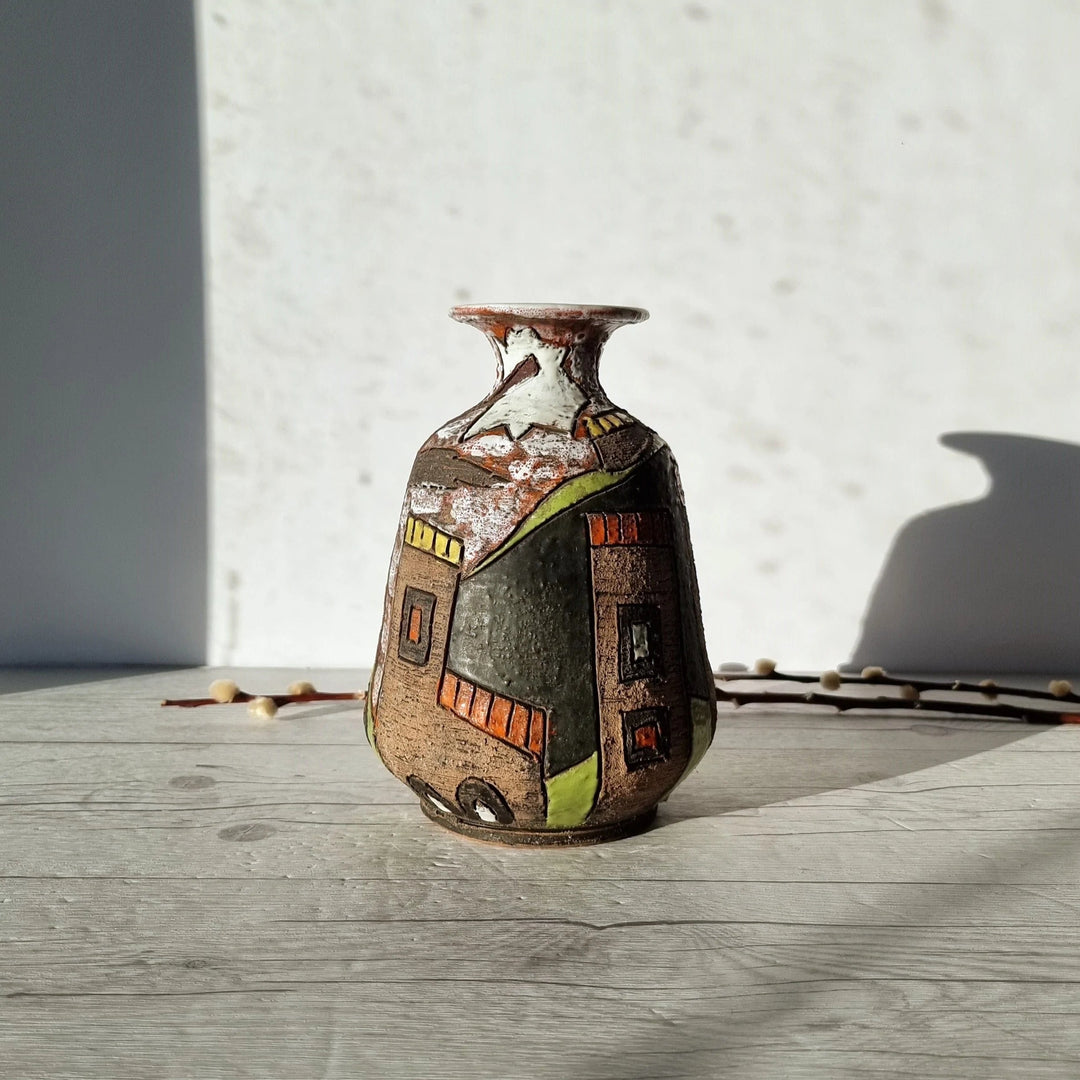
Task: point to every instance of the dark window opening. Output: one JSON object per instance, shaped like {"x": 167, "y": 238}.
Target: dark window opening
{"x": 640, "y": 654}
{"x": 645, "y": 737}
{"x": 414, "y": 640}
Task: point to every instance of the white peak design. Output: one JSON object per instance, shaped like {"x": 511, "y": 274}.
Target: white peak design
{"x": 549, "y": 398}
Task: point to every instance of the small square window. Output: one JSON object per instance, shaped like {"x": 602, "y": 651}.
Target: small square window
{"x": 645, "y": 737}
{"x": 414, "y": 640}
{"x": 640, "y": 655}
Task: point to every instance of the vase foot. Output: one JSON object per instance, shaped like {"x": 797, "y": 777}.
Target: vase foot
{"x": 501, "y": 834}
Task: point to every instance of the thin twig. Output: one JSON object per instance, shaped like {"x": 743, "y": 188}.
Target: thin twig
{"x": 278, "y": 699}
{"x": 843, "y": 703}
{"x": 987, "y": 689}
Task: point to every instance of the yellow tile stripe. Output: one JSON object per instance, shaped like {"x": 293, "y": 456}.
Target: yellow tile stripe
{"x": 601, "y": 425}
{"x": 419, "y": 534}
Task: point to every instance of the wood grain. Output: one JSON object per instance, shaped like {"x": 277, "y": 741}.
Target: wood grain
{"x": 200, "y": 894}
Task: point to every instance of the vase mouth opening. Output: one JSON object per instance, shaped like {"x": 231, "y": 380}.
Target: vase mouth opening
{"x": 484, "y": 315}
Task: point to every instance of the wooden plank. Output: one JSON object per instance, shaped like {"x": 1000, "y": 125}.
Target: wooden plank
{"x": 554, "y": 1032}
{"x": 267, "y": 901}
{"x": 255, "y": 966}
{"x": 134, "y": 810}
{"x": 183, "y": 784}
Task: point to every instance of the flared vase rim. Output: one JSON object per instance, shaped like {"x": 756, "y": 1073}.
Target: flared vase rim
{"x": 550, "y": 313}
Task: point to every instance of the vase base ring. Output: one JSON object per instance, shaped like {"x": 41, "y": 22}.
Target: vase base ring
{"x": 502, "y": 834}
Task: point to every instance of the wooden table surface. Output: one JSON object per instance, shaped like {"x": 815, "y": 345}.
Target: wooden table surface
{"x": 202, "y": 894}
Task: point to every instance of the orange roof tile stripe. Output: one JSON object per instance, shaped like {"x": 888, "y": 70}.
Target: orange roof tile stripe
{"x": 514, "y": 722}
{"x": 651, "y": 528}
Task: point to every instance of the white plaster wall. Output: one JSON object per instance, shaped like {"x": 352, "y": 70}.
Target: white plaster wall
{"x": 855, "y": 225}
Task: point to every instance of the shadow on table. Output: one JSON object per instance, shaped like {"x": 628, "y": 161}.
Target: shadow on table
{"x": 18, "y": 680}
{"x": 973, "y": 920}
{"x": 796, "y": 754}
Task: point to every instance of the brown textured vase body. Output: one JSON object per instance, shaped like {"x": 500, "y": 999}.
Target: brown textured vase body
{"x": 541, "y": 674}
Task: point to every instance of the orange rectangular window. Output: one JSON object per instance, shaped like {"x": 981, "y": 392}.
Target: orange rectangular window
{"x": 646, "y": 738}
{"x": 417, "y": 615}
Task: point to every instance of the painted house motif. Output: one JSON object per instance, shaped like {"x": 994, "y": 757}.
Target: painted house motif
{"x": 542, "y": 664}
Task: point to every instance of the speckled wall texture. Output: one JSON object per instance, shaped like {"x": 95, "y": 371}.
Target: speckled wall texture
{"x": 855, "y": 224}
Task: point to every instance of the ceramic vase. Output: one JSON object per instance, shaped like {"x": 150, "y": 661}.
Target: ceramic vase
{"x": 541, "y": 674}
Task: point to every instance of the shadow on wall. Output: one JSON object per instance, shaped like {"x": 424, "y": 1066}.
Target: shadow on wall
{"x": 102, "y": 371}
{"x": 991, "y": 585}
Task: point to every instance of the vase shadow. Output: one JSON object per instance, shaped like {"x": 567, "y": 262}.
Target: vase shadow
{"x": 991, "y": 585}
{"x": 986, "y": 587}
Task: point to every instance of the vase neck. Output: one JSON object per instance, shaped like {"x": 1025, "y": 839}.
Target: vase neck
{"x": 532, "y": 338}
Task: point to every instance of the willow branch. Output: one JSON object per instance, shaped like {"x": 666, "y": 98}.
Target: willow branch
{"x": 277, "y": 699}
{"x": 226, "y": 692}
{"x": 1034, "y": 714}
{"x": 1057, "y": 690}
